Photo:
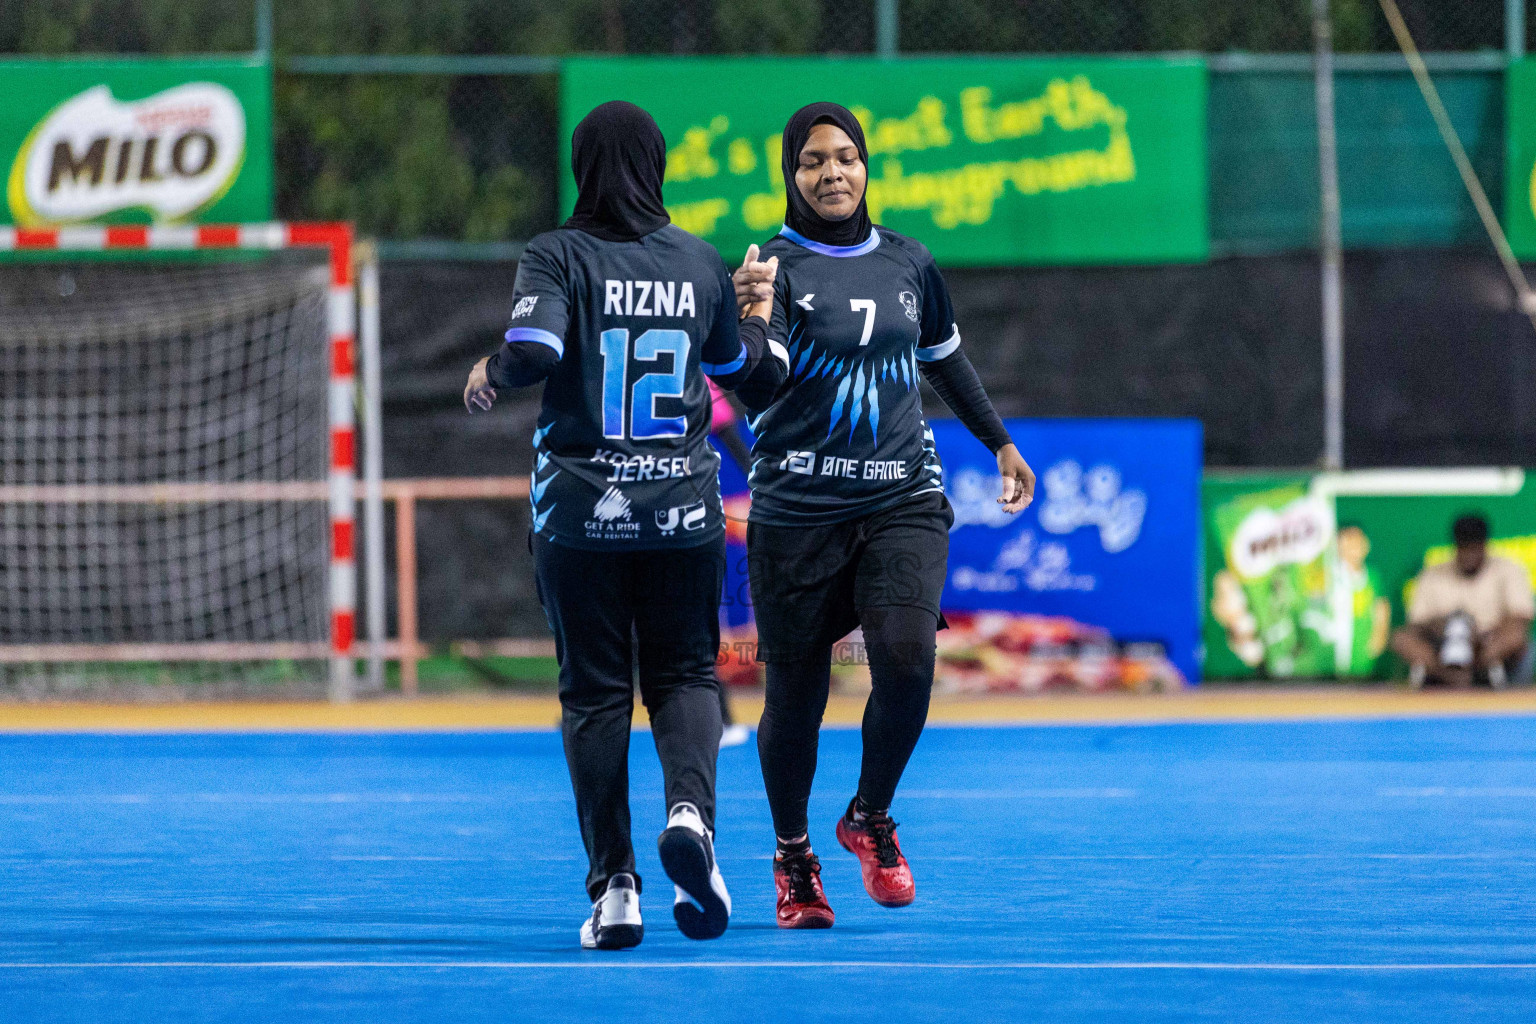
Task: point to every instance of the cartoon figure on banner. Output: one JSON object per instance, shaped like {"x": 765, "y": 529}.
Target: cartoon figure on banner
{"x": 1362, "y": 615}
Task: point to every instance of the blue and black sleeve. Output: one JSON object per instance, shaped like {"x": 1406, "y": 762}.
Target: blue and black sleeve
{"x": 948, "y": 371}
{"x": 535, "y": 338}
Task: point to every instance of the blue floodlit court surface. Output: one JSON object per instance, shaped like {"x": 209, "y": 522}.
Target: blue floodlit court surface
{"x": 1327, "y": 871}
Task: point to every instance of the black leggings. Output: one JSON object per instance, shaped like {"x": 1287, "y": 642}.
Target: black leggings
{"x": 613, "y": 612}
{"x": 900, "y": 644}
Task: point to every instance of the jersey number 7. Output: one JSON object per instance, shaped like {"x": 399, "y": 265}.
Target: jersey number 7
{"x": 868, "y": 308}
{"x": 644, "y": 424}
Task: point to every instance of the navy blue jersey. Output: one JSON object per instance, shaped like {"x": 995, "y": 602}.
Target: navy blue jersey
{"x": 623, "y": 457}
{"x": 845, "y": 435}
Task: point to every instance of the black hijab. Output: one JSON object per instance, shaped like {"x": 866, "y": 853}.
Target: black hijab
{"x": 800, "y": 217}
{"x": 619, "y": 158}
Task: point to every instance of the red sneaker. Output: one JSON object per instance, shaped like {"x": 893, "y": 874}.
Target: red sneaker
{"x": 887, "y": 878}
{"x": 802, "y": 904}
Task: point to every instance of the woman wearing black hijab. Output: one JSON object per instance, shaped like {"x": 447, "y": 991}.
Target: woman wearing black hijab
{"x": 849, "y": 524}
{"x": 621, "y": 315}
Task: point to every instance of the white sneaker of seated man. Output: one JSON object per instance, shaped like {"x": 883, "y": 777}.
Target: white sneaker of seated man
{"x": 703, "y": 906}
{"x": 615, "y": 921}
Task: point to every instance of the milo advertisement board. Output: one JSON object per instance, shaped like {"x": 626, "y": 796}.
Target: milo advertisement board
{"x": 135, "y": 141}
{"x": 1269, "y": 594}
{"x": 1307, "y": 574}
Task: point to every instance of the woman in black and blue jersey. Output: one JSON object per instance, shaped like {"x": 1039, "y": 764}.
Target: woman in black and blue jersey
{"x": 621, "y": 315}
{"x": 849, "y": 524}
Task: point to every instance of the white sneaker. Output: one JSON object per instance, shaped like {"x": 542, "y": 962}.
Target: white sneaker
{"x": 615, "y": 921}
{"x": 1498, "y": 678}
{"x": 734, "y": 736}
{"x": 1416, "y": 675}
{"x": 703, "y": 906}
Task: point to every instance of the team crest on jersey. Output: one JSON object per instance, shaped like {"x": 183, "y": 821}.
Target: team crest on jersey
{"x": 909, "y": 303}
{"x": 524, "y": 306}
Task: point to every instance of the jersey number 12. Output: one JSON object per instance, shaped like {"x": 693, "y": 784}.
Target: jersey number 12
{"x": 644, "y": 424}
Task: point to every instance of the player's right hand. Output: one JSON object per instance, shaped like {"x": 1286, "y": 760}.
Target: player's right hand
{"x": 1018, "y": 480}
{"x": 754, "y": 284}
{"x": 478, "y": 392}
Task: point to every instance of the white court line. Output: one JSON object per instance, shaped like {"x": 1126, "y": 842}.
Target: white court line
{"x": 236, "y": 798}
{"x": 1080, "y": 793}
{"x": 1460, "y": 791}
{"x": 31, "y": 799}
{"x": 21, "y": 860}
{"x": 26, "y": 799}
{"x": 627, "y": 964}
{"x": 1187, "y": 858}
{"x": 1019, "y": 794}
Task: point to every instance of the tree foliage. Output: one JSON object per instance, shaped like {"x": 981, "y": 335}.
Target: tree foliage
{"x": 474, "y": 157}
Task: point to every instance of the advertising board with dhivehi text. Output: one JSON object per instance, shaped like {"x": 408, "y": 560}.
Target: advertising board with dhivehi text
{"x": 1103, "y": 565}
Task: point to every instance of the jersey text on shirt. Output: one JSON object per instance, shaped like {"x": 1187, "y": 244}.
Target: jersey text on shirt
{"x": 648, "y": 298}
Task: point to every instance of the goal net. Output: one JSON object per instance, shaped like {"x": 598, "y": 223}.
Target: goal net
{"x": 176, "y": 460}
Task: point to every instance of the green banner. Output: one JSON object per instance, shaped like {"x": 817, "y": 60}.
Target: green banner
{"x": 135, "y": 141}
{"x": 1520, "y": 156}
{"x": 1306, "y": 575}
{"x": 989, "y": 162}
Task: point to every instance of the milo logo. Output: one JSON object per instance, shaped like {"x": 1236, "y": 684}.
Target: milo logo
{"x": 1294, "y": 534}
{"x": 172, "y": 154}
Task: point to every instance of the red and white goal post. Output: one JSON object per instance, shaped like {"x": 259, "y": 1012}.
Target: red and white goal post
{"x": 212, "y": 463}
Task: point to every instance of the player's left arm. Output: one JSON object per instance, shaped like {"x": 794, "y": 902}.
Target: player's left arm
{"x": 949, "y": 372}
{"x": 535, "y": 338}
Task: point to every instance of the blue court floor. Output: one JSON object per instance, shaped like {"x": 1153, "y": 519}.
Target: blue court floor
{"x": 1352, "y": 871}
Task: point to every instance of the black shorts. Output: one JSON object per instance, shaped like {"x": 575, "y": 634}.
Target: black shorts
{"x": 811, "y": 583}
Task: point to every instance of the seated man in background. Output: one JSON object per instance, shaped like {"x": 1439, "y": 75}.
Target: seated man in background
{"x": 1470, "y": 617}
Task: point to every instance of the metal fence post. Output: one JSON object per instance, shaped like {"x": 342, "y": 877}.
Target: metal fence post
{"x": 405, "y": 588}
{"x": 1331, "y": 242}
{"x": 373, "y": 461}
{"x": 887, "y": 42}
{"x": 264, "y": 27}
{"x": 1514, "y": 29}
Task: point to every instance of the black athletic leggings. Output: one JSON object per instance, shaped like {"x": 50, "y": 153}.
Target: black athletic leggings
{"x": 613, "y": 612}
{"x": 900, "y": 644}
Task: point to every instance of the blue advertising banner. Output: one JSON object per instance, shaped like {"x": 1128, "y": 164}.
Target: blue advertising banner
{"x": 1111, "y": 543}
